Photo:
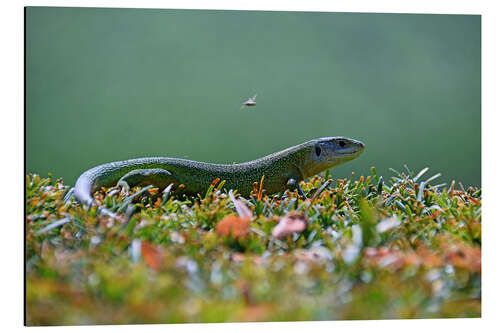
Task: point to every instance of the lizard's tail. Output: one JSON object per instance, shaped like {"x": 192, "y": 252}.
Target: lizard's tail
{"x": 83, "y": 193}
{"x": 83, "y": 190}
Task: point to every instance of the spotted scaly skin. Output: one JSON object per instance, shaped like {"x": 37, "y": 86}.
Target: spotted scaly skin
{"x": 281, "y": 170}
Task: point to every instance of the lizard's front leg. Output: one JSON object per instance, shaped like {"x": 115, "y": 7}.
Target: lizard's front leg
{"x": 293, "y": 185}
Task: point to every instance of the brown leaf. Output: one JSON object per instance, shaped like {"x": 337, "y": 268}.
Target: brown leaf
{"x": 430, "y": 259}
{"x": 151, "y": 255}
{"x": 463, "y": 256}
{"x": 288, "y": 225}
{"x": 237, "y": 227}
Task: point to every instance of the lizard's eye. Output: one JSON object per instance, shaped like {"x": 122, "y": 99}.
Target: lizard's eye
{"x": 342, "y": 144}
{"x": 318, "y": 150}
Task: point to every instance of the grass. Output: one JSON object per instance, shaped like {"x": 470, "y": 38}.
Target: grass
{"x": 370, "y": 250}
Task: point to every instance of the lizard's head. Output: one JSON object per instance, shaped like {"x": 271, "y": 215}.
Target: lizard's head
{"x": 326, "y": 153}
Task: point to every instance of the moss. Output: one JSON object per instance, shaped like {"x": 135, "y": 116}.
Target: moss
{"x": 371, "y": 250}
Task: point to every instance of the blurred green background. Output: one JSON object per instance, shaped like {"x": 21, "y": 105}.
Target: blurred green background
{"x": 111, "y": 84}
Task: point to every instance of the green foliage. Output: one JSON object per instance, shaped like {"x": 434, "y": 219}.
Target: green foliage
{"x": 371, "y": 250}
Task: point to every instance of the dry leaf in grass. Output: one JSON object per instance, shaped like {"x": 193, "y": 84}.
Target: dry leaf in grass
{"x": 237, "y": 227}
{"x": 463, "y": 256}
{"x": 288, "y": 225}
{"x": 241, "y": 208}
{"x": 396, "y": 259}
{"x": 151, "y": 255}
{"x": 429, "y": 258}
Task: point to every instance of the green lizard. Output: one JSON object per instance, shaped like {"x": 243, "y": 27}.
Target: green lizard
{"x": 281, "y": 170}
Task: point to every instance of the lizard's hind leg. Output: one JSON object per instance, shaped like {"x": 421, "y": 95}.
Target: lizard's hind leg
{"x": 160, "y": 178}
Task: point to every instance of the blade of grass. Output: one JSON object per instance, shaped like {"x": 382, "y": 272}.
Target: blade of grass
{"x": 55, "y": 224}
{"x": 322, "y": 188}
{"x": 132, "y": 197}
{"x": 417, "y": 177}
{"x": 437, "y": 175}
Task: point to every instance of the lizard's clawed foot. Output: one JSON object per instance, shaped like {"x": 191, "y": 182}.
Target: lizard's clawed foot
{"x": 124, "y": 186}
{"x": 293, "y": 185}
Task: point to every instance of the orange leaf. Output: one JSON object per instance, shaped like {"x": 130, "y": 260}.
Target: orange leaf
{"x": 151, "y": 255}
{"x": 474, "y": 201}
{"x": 237, "y": 227}
{"x": 153, "y": 191}
{"x": 259, "y": 195}
{"x": 216, "y": 180}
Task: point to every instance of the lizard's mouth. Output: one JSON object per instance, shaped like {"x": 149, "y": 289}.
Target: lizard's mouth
{"x": 353, "y": 150}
